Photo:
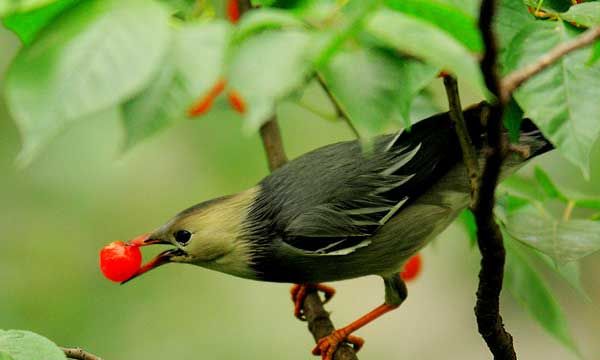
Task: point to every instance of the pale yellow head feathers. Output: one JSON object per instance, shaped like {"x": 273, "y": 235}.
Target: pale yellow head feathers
{"x": 217, "y": 240}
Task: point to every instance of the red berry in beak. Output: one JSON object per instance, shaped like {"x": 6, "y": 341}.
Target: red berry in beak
{"x": 412, "y": 268}
{"x": 119, "y": 261}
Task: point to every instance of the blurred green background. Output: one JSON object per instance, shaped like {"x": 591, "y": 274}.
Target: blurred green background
{"x": 83, "y": 193}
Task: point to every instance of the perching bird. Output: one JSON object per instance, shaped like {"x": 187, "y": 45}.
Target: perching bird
{"x": 338, "y": 212}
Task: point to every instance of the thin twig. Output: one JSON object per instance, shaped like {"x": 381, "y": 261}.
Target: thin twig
{"x": 319, "y": 323}
{"x": 516, "y": 78}
{"x": 489, "y": 237}
{"x": 456, "y": 114}
{"x": 79, "y": 354}
{"x": 338, "y": 108}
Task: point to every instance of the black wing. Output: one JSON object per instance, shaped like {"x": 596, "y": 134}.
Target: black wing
{"x": 332, "y": 200}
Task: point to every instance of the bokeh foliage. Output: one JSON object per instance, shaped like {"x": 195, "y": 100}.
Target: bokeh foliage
{"x": 148, "y": 61}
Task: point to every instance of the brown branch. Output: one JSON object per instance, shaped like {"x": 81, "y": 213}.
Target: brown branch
{"x": 319, "y": 323}
{"x": 79, "y": 354}
{"x": 516, "y": 78}
{"x": 489, "y": 237}
{"x": 456, "y": 115}
{"x": 271, "y": 138}
{"x": 338, "y": 108}
{"x": 318, "y": 320}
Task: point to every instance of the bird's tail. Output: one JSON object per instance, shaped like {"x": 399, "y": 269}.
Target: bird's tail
{"x": 531, "y": 140}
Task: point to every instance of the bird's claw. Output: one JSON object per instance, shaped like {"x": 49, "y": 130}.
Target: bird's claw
{"x": 327, "y": 346}
{"x": 299, "y": 292}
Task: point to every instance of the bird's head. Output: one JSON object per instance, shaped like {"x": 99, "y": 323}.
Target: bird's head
{"x": 211, "y": 234}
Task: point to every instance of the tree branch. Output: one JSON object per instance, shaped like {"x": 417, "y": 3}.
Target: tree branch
{"x": 456, "y": 115}
{"x": 489, "y": 237}
{"x": 320, "y": 325}
{"x": 271, "y": 138}
{"x": 79, "y": 354}
{"x": 318, "y": 320}
{"x": 516, "y": 78}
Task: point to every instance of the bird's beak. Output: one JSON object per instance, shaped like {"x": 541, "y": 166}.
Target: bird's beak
{"x": 161, "y": 259}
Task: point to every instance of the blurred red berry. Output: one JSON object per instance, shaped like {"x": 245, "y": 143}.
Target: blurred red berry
{"x": 236, "y": 101}
{"x": 233, "y": 11}
{"x": 119, "y": 261}
{"x": 412, "y": 268}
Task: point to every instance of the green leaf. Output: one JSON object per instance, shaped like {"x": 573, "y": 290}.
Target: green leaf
{"x": 549, "y": 6}
{"x": 262, "y": 2}
{"x": 561, "y": 100}
{"x": 547, "y": 185}
{"x": 570, "y": 272}
{"x": 93, "y": 57}
{"x": 512, "y": 17}
{"x": 470, "y": 7}
{"x": 507, "y": 204}
{"x": 373, "y": 87}
{"x": 265, "y": 19}
{"x": 194, "y": 63}
{"x": 595, "y": 56}
{"x": 512, "y": 120}
{"x": 331, "y": 41}
{"x": 25, "y": 345}
{"x": 8, "y": 7}
{"x": 588, "y": 203}
{"x": 5, "y": 356}
{"x": 529, "y": 288}
{"x": 423, "y": 106}
{"x": 27, "y": 25}
{"x": 564, "y": 241}
{"x": 262, "y": 75}
{"x": 522, "y": 187}
{"x": 421, "y": 39}
{"x": 467, "y": 219}
{"x": 451, "y": 19}
{"x": 586, "y": 14}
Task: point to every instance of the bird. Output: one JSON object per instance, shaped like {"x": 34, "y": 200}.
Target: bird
{"x": 339, "y": 212}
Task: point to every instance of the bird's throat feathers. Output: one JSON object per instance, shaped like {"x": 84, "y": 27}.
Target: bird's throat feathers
{"x": 221, "y": 241}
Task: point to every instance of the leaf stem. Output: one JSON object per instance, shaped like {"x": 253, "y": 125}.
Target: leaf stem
{"x": 338, "y": 107}
{"x": 568, "y": 210}
{"x": 316, "y": 111}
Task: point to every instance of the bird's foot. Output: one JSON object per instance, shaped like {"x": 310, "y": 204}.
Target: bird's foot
{"x": 299, "y": 292}
{"x": 327, "y": 346}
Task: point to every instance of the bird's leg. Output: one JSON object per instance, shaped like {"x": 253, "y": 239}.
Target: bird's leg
{"x": 395, "y": 293}
{"x": 299, "y": 292}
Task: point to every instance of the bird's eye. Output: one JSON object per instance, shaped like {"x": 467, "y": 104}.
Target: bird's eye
{"x": 182, "y": 236}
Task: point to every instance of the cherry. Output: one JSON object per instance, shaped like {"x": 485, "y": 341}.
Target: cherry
{"x": 119, "y": 261}
{"x": 233, "y": 11}
{"x": 412, "y": 268}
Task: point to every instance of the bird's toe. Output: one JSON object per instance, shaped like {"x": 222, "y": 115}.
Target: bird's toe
{"x": 328, "y": 345}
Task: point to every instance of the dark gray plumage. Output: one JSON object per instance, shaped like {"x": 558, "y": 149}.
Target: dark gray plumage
{"x": 339, "y": 212}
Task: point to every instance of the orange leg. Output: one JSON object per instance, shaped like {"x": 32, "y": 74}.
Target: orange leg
{"x": 327, "y": 346}
{"x": 299, "y": 292}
